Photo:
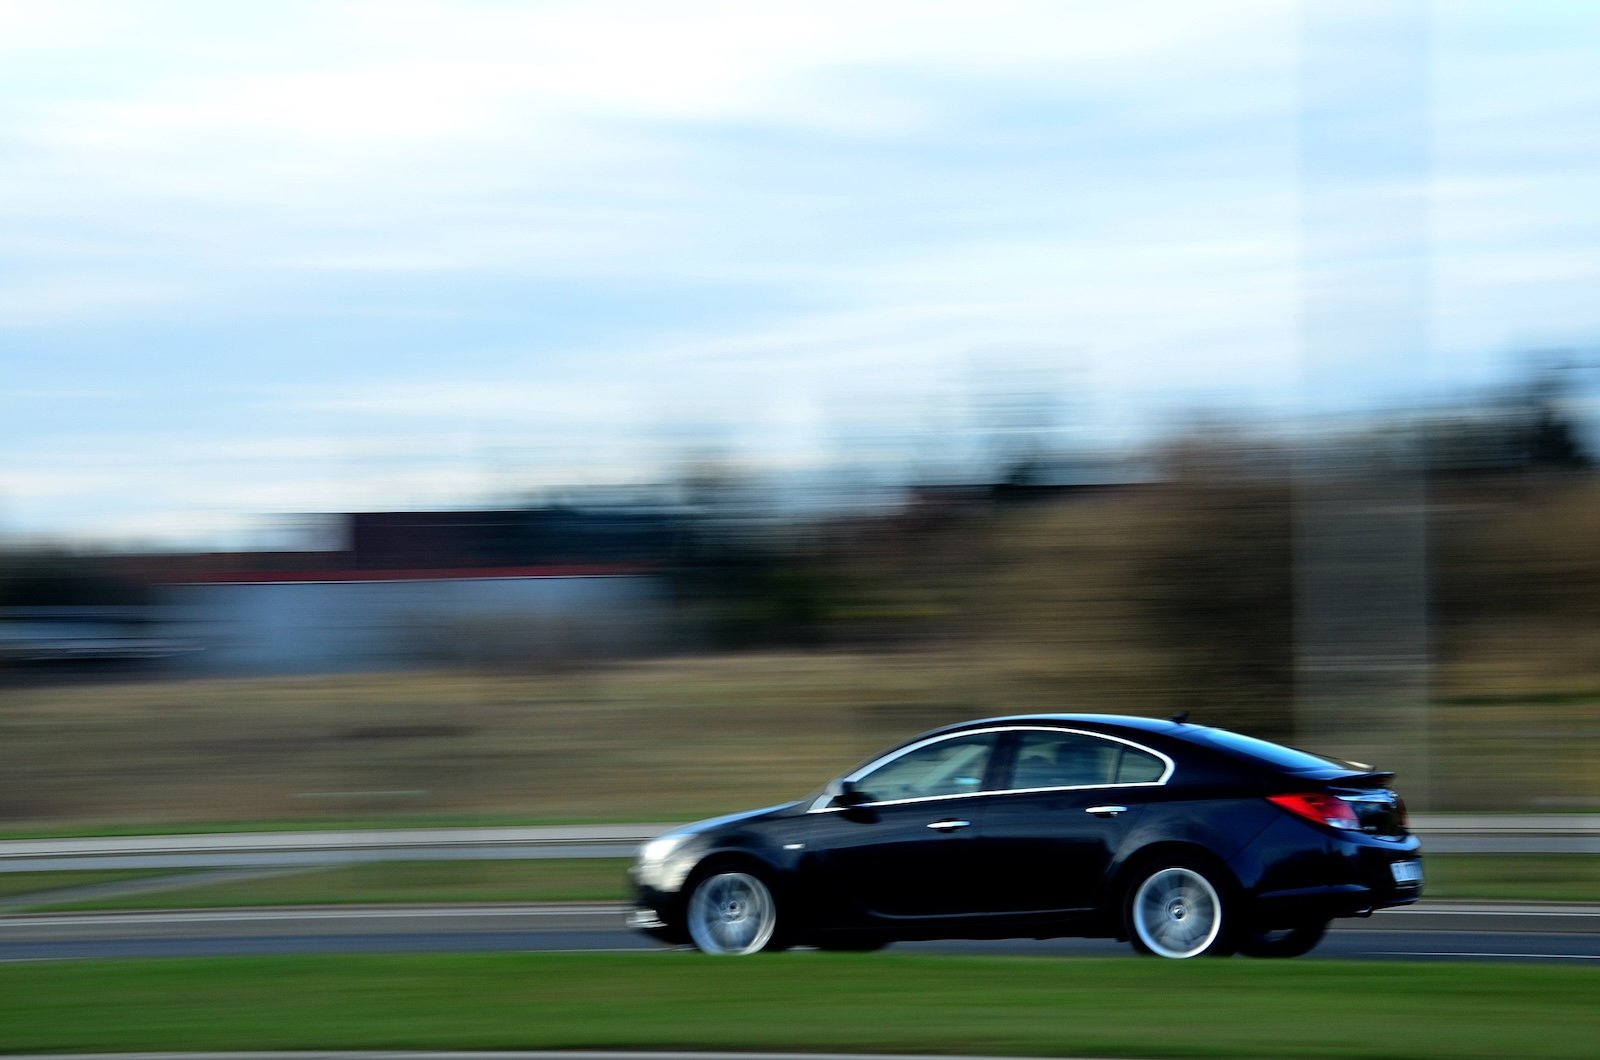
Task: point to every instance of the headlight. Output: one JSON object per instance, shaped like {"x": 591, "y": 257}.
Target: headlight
{"x": 659, "y": 864}
{"x": 660, "y": 849}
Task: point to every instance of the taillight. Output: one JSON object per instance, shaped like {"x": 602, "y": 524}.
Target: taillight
{"x": 1323, "y": 809}
{"x": 1400, "y": 813}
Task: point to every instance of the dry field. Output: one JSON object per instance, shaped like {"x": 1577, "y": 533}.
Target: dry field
{"x": 658, "y": 741}
{"x": 663, "y": 741}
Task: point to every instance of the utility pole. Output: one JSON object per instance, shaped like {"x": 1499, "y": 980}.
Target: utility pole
{"x": 1362, "y": 635}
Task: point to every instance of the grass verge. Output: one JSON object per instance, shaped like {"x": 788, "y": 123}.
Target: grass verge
{"x": 1521, "y": 877}
{"x": 1502, "y": 877}
{"x": 388, "y": 882}
{"x": 806, "y": 1001}
{"x": 19, "y": 884}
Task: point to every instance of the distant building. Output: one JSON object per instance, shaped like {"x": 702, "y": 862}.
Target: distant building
{"x": 320, "y": 621}
{"x": 56, "y": 636}
{"x": 425, "y": 589}
{"x": 513, "y": 537}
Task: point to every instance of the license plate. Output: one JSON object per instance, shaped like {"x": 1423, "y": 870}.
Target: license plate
{"x": 1406, "y": 871}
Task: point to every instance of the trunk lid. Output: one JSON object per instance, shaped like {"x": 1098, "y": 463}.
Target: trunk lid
{"x": 1380, "y": 811}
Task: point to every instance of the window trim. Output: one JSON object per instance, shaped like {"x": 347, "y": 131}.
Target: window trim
{"x": 1168, "y": 766}
{"x": 821, "y": 804}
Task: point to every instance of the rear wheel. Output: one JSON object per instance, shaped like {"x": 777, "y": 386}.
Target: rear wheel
{"x": 1283, "y": 942}
{"x": 1177, "y": 911}
{"x": 733, "y": 914}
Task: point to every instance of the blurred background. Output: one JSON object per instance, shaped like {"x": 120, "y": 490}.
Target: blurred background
{"x": 482, "y": 413}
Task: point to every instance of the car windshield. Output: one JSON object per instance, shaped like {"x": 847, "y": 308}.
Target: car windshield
{"x": 1289, "y": 758}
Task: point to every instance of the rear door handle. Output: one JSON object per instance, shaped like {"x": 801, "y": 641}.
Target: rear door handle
{"x": 949, "y": 826}
{"x": 1106, "y": 811}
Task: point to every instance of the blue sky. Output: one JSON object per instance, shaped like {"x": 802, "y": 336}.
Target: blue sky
{"x": 275, "y": 258}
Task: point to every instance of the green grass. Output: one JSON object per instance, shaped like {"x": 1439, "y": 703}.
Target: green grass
{"x": 393, "y": 882}
{"x": 1505, "y": 877}
{"x": 807, "y": 1001}
{"x": 1528, "y": 877}
{"x": 13, "y": 884}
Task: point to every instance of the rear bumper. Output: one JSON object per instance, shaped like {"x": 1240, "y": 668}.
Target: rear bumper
{"x": 1326, "y": 903}
{"x": 1335, "y": 875}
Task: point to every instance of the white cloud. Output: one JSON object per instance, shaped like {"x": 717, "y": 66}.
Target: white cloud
{"x": 372, "y": 138}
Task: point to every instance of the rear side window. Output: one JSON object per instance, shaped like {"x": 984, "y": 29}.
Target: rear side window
{"x": 1137, "y": 767}
{"x": 1047, "y": 759}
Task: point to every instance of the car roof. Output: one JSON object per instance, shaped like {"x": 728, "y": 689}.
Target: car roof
{"x": 1102, "y": 721}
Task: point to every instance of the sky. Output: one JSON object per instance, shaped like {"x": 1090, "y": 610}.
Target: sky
{"x": 261, "y": 259}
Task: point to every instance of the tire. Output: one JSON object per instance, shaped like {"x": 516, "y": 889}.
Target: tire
{"x": 733, "y": 914}
{"x": 1178, "y": 911}
{"x": 1282, "y": 942}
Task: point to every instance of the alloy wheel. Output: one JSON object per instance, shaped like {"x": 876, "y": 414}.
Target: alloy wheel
{"x": 732, "y": 913}
{"x": 1176, "y": 913}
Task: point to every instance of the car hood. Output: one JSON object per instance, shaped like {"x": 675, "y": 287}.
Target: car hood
{"x": 733, "y": 818}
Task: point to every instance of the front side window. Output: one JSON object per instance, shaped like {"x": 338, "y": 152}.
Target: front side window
{"x": 954, "y": 766}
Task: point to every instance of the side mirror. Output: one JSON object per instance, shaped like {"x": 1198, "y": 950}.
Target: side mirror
{"x": 849, "y": 795}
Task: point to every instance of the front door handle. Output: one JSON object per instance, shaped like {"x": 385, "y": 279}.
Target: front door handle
{"x": 949, "y": 826}
{"x": 1106, "y": 811}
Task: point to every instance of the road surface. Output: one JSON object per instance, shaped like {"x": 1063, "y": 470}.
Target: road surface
{"x": 1547, "y": 933}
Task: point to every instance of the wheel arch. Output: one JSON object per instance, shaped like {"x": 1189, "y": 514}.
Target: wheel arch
{"x": 733, "y": 860}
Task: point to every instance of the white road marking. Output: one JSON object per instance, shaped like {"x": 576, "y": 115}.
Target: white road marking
{"x": 1412, "y": 910}
{"x": 230, "y": 916}
{"x": 1518, "y": 956}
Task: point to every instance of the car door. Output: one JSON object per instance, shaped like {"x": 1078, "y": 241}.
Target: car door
{"x": 906, "y": 848}
{"x": 1061, "y": 812}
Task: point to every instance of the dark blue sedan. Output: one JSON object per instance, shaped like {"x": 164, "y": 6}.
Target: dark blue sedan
{"x": 1182, "y": 839}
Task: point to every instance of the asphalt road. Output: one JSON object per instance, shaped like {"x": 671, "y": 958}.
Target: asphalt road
{"x": 1534, "y": 933}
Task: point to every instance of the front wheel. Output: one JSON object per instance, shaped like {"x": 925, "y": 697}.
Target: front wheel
{"x": 732, "y": 913}
{"x": 1283, "y": 942}
{"x": 1177, "y": 911}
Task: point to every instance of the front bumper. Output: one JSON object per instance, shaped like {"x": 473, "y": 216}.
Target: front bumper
{"x": 645, "y": 920}
{"x": 658, "y": 914}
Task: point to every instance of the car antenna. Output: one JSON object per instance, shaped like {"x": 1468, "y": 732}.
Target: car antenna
{"x": 1180, "y": 717}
